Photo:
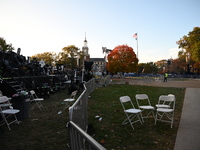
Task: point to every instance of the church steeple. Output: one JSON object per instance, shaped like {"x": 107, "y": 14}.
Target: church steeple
{"x": 85, "y": 41}
{"x": 85, "y": 50}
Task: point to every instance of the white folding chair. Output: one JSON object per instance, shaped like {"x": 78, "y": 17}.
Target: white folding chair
{"x": 144, "y": 105}
{"x": 132, "y": 114}
{"x": 165, "y": 104}
{"x": 69, "y": 101}
{"x": 37, "y": 100}
{"x": 166, "y": 114}
{"x": 8, "y": 114}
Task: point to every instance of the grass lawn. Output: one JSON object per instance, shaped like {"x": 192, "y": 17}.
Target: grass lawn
{"x": 105, "y": 103}
{"x": 43, "y": 130}
{"x": 47, "y": 129}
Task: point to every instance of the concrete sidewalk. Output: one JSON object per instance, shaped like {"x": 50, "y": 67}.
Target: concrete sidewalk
{"x": 188, "y": 136}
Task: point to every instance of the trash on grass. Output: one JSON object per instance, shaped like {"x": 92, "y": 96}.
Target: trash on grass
{"x": 100, "y": 119}
{"x": 59, "y": 112}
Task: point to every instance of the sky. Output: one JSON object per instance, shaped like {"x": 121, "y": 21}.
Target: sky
{"x": 38, "y": 26}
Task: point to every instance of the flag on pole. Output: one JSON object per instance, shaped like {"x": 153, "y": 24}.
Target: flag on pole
{"x": 135, "y": 36}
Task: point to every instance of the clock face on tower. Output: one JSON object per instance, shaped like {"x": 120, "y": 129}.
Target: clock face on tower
{"x": 85, "y": 50}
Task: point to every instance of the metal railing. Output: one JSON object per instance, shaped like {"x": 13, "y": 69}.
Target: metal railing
{"x": 103, "y": 81}
{"x": 78, "y": 121}
{"x": 78, "y": 111}
{"x": 80, "y": 140}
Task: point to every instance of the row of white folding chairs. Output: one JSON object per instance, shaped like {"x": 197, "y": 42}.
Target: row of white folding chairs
{"x": 164, "y": 109}
{"x": 7, "y": 112}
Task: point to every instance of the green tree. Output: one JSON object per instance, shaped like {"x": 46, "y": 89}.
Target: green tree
{"x": 122, "y": 59}
{"x": 4, "y": 46}
{"x": 48, "y": 57}
{"x": 148, "y": 68}
{"x": 69, "y": 56}
{"x": 191, "y": 44}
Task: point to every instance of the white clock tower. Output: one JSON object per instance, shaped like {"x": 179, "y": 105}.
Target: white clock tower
{"x": 85, "y": 50}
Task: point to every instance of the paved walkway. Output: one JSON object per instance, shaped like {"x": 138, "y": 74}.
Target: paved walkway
{"x": 188, "y": 136}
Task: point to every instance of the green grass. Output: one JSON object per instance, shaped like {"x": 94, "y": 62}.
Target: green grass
{"x": 112, "y": 135}
{"x": 43, "y": 130}
{"x": 47, "y": 130}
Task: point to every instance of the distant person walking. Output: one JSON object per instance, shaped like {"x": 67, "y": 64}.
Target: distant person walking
{"x": 165, "y": 77}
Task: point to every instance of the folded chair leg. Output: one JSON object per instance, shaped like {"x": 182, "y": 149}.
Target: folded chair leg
{"x": 141, "y": 117}
{"x": 9, "y": 123}
{"x": 40, "y": 106}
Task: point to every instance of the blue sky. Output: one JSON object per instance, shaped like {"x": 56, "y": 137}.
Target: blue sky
{"x": 38, "y": 26}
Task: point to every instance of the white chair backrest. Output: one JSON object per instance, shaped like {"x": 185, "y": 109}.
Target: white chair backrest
{"x": 167, "y": 98}
{"x": 172, "y": 96}
{"x": 74, "y": 93}
{"x": 142, "y": 99}
{"x": 4, "y": 102}
{"x": 141, "y": 96}
{"x": 124, "y": 99}
{"x": 4, "y": 99}
{"x": 32, "y": 92}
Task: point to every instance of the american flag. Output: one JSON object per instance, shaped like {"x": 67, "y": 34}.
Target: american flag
{"x": 135, "y": 36}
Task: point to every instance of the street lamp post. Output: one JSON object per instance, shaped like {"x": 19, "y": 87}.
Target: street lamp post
{"x": 188, "y": 61}
{"x": 106, "y": 51}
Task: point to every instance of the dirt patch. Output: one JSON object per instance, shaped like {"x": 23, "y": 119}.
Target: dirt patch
{"x": 190, "y": 83}
{"x": 182, "y": 84}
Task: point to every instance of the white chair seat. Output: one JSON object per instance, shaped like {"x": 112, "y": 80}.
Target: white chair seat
{"x": 146, "y": 107}
{"x": 162, "y": 106}
{"x": 69, "y": 100}
{"x": 39, "y": 99}
{"x": 164, "y": 110}
{"x": 132, "y": 111}
{"x": 10, "y": 111}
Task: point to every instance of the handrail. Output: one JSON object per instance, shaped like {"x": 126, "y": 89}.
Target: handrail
{"x": 21, "y": 77}
{"x": 83, "y": 137}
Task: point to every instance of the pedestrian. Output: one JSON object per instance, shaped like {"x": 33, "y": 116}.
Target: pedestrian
{"x": 165, "y": 77}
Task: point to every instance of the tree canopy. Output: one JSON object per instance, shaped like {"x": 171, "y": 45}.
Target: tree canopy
{"x": 69, "y": 56}
{"x": 148, "y": 68}
{"x": 122, "y": 59}
{"x": 48, "y": 57}
{"x": 4, "y": 46}
{"x": 191, "y": 44}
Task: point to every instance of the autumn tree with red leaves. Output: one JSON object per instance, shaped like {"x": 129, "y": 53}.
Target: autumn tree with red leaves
{"x": 122, "y": 59}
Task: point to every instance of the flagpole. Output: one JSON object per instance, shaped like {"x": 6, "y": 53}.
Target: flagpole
{"x": 137, "y": 46}
{"x": 136, "y": 38}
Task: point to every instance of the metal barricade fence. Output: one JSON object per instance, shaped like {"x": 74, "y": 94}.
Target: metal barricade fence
{"x": 78, "y": 121}
{"x": 78, "y": 111}
{"x": 81, "y": 140}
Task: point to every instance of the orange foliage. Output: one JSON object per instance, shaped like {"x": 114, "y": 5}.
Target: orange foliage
{"x": 197, "y": 67}
{"x": 122, "y": 59}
